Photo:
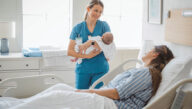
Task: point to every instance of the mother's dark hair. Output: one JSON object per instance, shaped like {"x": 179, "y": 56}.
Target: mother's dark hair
{"x": 157, "y": 65}
{"x": 91, "y": 4}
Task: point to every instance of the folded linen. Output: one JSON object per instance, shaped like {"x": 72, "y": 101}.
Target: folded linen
{"x": 52, "y": 51}
{"x": 31, "y": 52}
{"x": 51, "y": 56}
{"x": 43, "y": 52}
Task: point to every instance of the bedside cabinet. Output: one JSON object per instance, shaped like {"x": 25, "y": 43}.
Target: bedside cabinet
{"x": 16, "y": 65}
{"x": 63, "y": 68}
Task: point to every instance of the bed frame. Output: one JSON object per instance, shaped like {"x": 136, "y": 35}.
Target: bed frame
{"x": 177, "y": 97}
{"x": 22, "y": 87}
{"x": 171, "y": 99}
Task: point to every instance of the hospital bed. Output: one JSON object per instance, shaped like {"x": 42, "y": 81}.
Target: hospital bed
{"x": 173, "y": 93}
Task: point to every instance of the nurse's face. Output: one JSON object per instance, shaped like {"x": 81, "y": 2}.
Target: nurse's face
{"x": 95, "y": 12}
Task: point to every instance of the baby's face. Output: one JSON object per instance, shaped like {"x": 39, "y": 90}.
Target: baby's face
{"x": 107, "y": 38}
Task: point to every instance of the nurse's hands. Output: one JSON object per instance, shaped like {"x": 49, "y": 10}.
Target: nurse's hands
{"x": 82, "y": 48}
{"x": 93, "y": 53}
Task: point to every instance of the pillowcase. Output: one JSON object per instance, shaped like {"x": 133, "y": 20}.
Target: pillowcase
{"x": 177, "y": 69}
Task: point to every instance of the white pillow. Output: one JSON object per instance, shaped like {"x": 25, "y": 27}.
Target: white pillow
{"x": 177, "y": 69}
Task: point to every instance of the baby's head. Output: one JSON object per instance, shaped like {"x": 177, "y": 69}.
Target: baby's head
{"x": 107, "y": 38}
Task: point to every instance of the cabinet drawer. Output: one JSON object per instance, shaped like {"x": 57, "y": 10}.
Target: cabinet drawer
{"x": 19, "y": 64}
{"x": 4, "y": 76}
{"x": 68, "y": 77}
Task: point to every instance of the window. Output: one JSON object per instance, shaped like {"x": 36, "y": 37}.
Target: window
{"x": 46, "y": 22}
{"x": 125, "y": 21}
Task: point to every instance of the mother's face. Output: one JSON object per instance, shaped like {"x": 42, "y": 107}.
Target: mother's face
{"x": 149, "y": 56}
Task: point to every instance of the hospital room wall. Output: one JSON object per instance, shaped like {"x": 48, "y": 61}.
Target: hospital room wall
{"x": 150, "y": 31}
{"x": 156, "y": 33}
{"x": 123, "y": 55}
{"x": 11, "y": 10}
{"x": 79, "y": 7}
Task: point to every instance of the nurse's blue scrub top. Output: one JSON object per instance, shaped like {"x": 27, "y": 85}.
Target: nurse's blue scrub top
{"x": 98, "y": 63}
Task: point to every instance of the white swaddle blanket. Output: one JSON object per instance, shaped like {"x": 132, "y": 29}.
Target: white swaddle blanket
{"x": 108, "y": 50}
{"x": 62, "y": 96}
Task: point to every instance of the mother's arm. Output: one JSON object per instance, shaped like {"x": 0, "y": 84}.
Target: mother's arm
{"x": 110, "y": 93}
{"x": 71, "y": 51}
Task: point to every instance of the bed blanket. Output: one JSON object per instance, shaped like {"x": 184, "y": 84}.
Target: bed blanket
{"x": 55, "y": 98}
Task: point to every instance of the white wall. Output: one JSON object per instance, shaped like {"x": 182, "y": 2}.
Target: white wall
{"x": 154, "y": 31}
{"x": 123, "y": 55}
{"x": 11, "y": 10}
{"x": 79, "y": 10}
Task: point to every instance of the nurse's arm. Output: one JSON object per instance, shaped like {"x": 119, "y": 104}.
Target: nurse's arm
{"x": 87, "y": 44}
{"x": 95, "y": 52}
{"x": 110, "y": 93}
{"x": 71, "y": 51}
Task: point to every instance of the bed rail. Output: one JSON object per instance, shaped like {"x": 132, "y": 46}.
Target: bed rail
{"x": 109, "y": 76}
{"x": 31, "y": 85}
{"x": 170, "y": 99}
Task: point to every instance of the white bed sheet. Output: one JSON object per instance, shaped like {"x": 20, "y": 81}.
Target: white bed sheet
{"x": 8, "y": 102}
{"x": 60, "y": 96}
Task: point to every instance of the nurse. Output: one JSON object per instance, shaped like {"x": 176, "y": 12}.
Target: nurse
{"x": 94, "y": 65}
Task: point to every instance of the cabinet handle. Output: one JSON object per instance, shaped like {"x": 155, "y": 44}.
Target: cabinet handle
{"x": 0, "y": 79}
{"x": 27, "y": 65}
{"x": 0, "y": 65}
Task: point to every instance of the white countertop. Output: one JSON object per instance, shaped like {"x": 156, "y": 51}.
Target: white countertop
{"x": 16, "y": 55}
